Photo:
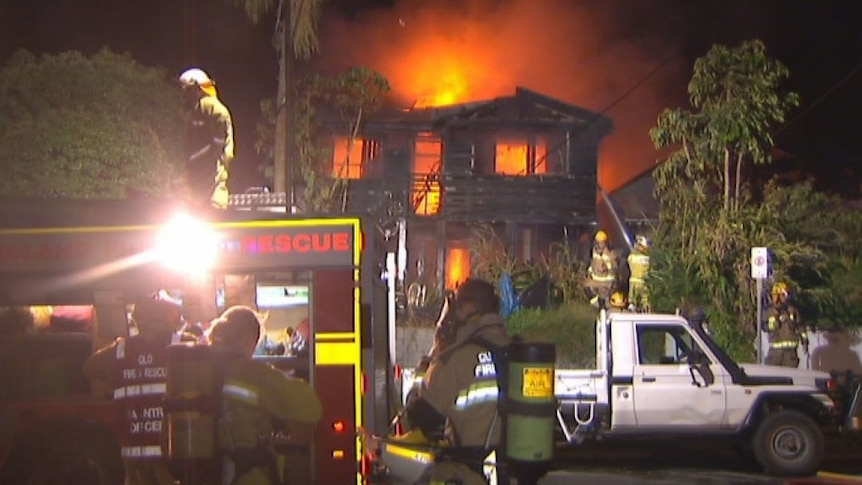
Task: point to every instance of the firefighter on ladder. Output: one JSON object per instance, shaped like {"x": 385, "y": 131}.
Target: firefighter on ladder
{"x": 135, "y": 369}
{"x": 638, "y": 261}
{"x": 602, "y": 271}
{"x": 209, "y": 140}
{"x": 785, "y": 329}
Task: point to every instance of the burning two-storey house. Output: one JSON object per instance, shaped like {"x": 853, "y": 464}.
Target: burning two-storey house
{"x": 524, "y": 165}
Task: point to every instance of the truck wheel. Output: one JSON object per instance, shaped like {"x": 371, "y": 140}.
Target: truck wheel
{"x": 66, "y": 453}
{"x": 788, "y": 443}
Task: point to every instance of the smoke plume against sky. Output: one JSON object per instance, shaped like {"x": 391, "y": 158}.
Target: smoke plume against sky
{"x": 586, "y": 53}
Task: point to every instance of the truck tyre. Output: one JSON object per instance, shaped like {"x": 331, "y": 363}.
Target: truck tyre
{"x": 65, "y": 453}
{"x": 788, "y": 443}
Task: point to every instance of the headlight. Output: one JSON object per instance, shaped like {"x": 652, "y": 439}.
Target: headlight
{"x": 187, "y": 244}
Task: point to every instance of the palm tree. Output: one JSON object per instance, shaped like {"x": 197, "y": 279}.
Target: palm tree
{"x": 301, "y": 16}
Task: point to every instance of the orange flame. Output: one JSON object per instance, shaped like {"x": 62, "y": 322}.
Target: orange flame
{"x": 450, "y": 52}
{"x": 433, "y": 70}
{"x": 346, "y": 159}
{"x": 458, "y": 266}
{"x": 451, "y": 88}
{"x": 426, "y": 161}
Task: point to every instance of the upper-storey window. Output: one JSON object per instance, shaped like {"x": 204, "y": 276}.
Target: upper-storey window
{"x": 350, "y": 159}
{"x": 427, "y": 156}
{"x": 519, "y": 156}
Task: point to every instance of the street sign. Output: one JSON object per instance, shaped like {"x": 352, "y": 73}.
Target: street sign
{"x": 760, "y": 264}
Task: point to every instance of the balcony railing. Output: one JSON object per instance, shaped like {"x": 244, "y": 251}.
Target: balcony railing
{"x": 497, "y": 198}
{"x": 481, "y": 198}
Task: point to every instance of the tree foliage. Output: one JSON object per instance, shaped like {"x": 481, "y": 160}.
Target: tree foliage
{"x": 710, "y": 218}
{"x": 303, "y": 14}
{"x": 737, "y": 92}
{"x": 561, "y": 264}
{"x": 295, "y": 36}
{"x": 97, "y": 126}
{"x": 325, "y": 105}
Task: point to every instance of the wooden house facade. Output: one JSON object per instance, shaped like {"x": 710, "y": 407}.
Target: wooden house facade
{"x": 524, "y": 165}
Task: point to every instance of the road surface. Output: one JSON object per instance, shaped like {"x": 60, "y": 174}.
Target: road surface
{"x": 694, "y": 461}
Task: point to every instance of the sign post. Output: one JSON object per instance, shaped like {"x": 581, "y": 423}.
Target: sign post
{"x": 760, "y": 269}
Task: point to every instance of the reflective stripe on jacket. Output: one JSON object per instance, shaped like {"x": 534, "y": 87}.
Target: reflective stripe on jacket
{"x": 461, "y": 383}
{"x": 602, "y": 266}
{"x": 638, "y": 265}
{"x": 784, "y": 344}
{"x": 141, "y": 383}
{"x": 784, "y": 327}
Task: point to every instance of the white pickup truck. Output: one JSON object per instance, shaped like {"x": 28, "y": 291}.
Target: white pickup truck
{"x": 663, "y": 376}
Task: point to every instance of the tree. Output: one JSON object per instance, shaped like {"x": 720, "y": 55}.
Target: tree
{"x": 737, "y": 92}
{"x": 98, "y": 126}
{"x": 708, "y": 223}
{"x": 344, "y": 101}
{"x": 300, "y": 20}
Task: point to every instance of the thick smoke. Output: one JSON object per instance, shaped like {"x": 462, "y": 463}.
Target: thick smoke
{"x": 588, "y": 53}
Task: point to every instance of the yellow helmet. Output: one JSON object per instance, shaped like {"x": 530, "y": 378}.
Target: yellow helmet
{"x": 601, "y": 236}
{"x": 780, "y": 289}
{"x": 618, "y": 300}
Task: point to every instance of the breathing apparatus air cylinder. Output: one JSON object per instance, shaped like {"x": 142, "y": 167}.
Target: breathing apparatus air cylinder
{"x": 191, "y": 405}
{"x": 529, "y": 409}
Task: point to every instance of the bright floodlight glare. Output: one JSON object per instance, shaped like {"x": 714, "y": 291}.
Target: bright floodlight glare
{"x": 187, "y": 244}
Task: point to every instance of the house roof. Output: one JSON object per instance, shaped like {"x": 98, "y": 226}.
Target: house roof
{"x": 524, "y": 107}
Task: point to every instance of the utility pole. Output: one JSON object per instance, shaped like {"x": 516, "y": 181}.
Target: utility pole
{"x": 284, "y": 160}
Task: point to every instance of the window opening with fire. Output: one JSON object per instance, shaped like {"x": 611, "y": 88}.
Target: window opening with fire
{"x": 427, "y": 165}
{"x": 458, "y": 264}
{"x": 350, "y": 157}
{"x": 519, "y": 156}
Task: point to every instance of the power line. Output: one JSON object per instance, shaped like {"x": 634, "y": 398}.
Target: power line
{"x": 640, "y": 82}
{"x": 798, "y": 116}
{"x": 821, "y": 98}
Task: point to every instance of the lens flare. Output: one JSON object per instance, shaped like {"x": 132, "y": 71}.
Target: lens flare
{"x": 187, "y": 244}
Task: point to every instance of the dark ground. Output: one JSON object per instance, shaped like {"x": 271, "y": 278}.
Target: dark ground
{"x": 697, "y": 460}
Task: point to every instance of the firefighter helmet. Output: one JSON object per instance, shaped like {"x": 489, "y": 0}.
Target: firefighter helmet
{"x": 478, "y": 292}
{"x": 236, "y": 329}
{"x": 157, "y": 312}
{"x": 601, "y": 236}
{"x": 195, "y": 77}
{"x": 642, "y": 242}
{"x": 618, "y": 300}
{"x": 780, "y": 291}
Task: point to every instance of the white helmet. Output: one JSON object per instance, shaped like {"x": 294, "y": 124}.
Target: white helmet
{"x": 642, "y": 242}
{"x": 195, "y": 76}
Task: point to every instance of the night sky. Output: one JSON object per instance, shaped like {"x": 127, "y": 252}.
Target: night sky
{"x": 587, "y": 53}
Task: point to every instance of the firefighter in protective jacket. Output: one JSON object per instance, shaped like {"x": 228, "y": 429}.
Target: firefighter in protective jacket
{"x": 257, "y": 401}
{"x": 602, "y": 270}
{"x": 209, "y": 140}
{"x": 785, "y": 329}
{"x": 457, "y": 401}
{"x": 134, "y": 369}
{"x": 638, "y": 261}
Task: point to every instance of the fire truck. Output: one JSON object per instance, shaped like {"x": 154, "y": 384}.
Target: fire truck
{"x": 324, "y": 274}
